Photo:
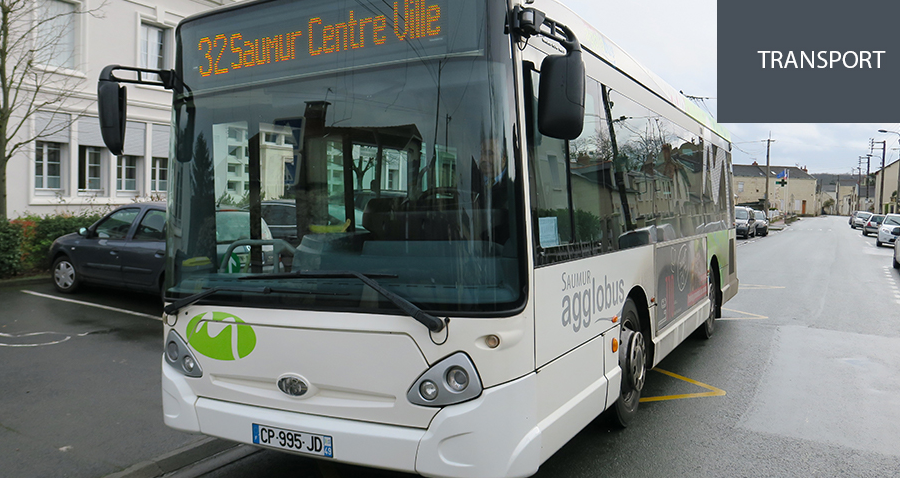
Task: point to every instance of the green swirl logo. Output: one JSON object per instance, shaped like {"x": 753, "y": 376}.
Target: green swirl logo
{"x": 235, "y": 341}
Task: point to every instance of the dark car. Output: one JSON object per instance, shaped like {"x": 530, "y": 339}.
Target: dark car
{"x": 126, "y": 248}
{"x": 744, "y": 223}
{"x": 762, "y": 223}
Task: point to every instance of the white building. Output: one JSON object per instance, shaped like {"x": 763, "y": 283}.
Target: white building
{"x": 72, "y": 170}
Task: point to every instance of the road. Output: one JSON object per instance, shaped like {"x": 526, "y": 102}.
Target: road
{"x": 80, "y": 393}
{"x": 800, "y": 380}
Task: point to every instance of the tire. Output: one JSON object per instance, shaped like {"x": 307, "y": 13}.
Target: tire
{"x": 865, "y": 233}
{"x": 706, "y": 330}
{"x": 896, "y": 264}
{"x": 65, "y": 277}
{"x": 633, "y": 360}
{"x": 877, "y": 243}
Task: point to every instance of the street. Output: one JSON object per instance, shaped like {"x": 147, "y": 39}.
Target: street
{"x": 799, "y": 380}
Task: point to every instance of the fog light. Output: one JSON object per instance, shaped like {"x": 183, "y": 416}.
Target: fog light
{"x": 188, "y": 364}
{"x": 428, "y": 390}
{"x": 457, "y": 379}
{"x": 172, "y": 351}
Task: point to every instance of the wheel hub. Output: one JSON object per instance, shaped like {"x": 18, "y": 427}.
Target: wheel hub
{"x": 632, "y": 357}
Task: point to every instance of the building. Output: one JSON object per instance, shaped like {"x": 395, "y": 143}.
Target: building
{"x": 843, "y": 194}
{"x": 890, "y": 177}
{"x": 791, "y": 189}
{"x": 70, "y": 169}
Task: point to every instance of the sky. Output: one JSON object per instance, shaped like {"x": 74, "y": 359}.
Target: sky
{"x": 677, "y": 41}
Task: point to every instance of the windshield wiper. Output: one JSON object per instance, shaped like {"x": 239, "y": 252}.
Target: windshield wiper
{"x": 433, "y": 323}
{"x": 174, "y": 307}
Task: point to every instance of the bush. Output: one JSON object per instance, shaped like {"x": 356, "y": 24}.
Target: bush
{"x": 46, "y": 230}
{"x": 10, "y": 242}
{"x": 27, "y": 250}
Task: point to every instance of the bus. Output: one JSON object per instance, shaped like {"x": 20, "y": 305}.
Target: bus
{"x": 493, "y": 223}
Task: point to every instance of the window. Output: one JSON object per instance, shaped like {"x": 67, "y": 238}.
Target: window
{"x": 47, "y": 165}
{"x": 126, "y": 178}
{"x": 89, "y": 168}
{"x": 152, "y": 227}
{"x": 159, "y": 174}
{"x": 56, "y": 31}
{"x": 740, "y": 186}
{"x": 153, "y": 48}
{"x": 116, "y": 226}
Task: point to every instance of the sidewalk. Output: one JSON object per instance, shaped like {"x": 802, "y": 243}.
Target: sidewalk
{"x": 777, "y": 225}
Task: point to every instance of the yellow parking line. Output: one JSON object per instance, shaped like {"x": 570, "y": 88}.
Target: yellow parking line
{"x": 748, "y": 314}
{"x": 713, "y": 391}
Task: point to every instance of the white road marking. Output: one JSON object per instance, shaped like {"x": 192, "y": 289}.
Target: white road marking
{"x": 90, "y": 304}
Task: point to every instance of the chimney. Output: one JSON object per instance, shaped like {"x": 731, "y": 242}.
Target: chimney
{"x": 755, "y": 163}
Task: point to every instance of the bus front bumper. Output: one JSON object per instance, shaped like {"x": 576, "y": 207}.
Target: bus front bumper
{"x": 492, "y": 436}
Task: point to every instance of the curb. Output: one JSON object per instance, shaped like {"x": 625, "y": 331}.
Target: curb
{"x": 44, "y": 278}
{"x": 182, "y": 458}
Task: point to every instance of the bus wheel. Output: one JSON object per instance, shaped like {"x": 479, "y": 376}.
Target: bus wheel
{"x": 709, "y": 326}
{"x": 633, "y": 360}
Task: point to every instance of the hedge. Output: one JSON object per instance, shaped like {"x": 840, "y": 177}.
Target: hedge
{"x": 25, "y": 242}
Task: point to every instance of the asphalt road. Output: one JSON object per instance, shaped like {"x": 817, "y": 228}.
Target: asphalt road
{"x": 80, "y": 391}
{"x": 800, "y": 380}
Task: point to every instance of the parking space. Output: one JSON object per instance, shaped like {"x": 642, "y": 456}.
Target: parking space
{"x": 80, "y": 392}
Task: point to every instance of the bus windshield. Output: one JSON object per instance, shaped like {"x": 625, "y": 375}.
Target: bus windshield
{"x": 365, "y": 136}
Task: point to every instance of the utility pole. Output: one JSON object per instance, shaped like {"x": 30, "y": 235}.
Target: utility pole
{"x": 872, "y": 142}
{"x": 768, "y": 171}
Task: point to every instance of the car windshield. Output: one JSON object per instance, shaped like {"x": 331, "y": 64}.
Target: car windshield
{"x": 741, "y": 214}
{"x": 391, "y": 158}
{"x": 892, "y": 220}
{"x": 864, "y": 216}
{"x": 759, "y": 215}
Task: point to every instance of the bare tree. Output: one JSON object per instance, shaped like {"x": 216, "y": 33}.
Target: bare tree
{"x": 37, "y": 58}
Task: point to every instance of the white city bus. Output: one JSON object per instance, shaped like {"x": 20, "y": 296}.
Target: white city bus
{"x": 493, "y": 223}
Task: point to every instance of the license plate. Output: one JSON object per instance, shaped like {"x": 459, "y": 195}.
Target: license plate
{"x": 292, "y": 440}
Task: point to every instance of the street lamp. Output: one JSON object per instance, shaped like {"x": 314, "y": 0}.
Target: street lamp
{"x": 897, "y": 197}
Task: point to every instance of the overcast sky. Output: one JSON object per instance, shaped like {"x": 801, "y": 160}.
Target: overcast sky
{"x": 677, "y": 41}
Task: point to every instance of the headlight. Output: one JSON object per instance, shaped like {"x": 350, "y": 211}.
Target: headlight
{"x": 452, "y": 380}
{"x": 180, "y": 357}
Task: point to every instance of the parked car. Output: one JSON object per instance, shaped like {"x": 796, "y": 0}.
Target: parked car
{"x": 744, "y": 223}
{"x": 127, "y": 248}
{"x": 871, "y": 226}
{"x": 896, "y": 254}
{"x": 890, "y": 229}
{"x": 762, "y": 223}
{"x": 852, "y": 216}
{"x": 859, "y": 220}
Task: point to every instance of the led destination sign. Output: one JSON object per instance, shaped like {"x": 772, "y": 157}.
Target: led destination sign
{"x": 284, "y": 39}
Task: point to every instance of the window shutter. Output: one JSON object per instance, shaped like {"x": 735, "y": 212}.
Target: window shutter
{"x": 54, "y": 124}
{"x": 135, "y": 139}
{"x": 160, "y": 141}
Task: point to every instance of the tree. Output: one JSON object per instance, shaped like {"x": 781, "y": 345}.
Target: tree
{"x": 37, "y": 39}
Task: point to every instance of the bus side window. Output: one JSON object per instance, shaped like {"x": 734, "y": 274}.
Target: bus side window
{"x": 595, "y": 200}
{"x": 548, "y": 170}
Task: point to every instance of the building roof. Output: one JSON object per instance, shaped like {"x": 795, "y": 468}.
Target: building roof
{"x": 755, "y": 170}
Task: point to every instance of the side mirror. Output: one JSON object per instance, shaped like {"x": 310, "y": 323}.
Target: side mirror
{"x": 896, "y": 231}
{"x": 83, "y": 232}
{"x": 112, "y": 104}
{"x": 561, "y": 96}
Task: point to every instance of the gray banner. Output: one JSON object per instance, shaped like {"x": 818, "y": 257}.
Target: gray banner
{"x": 825, "y": 67}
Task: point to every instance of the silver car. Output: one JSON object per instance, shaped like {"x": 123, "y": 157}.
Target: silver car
{"x": 889, "y": 230}
{"x": 859, "y": 220}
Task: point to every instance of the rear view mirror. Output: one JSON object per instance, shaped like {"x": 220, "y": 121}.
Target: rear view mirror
{"x": 112, "y": 104}
{"x": 896, "y": 231}
{"x": 561, "y": 96}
